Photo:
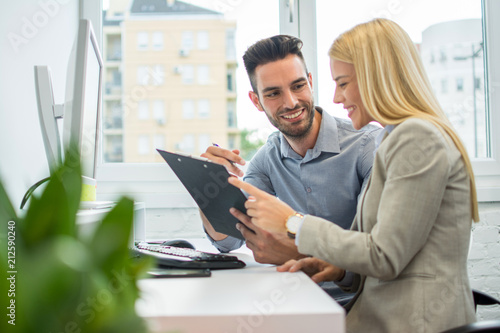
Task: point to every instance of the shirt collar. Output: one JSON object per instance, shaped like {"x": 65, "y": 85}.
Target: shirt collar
{"x": 380, "y": 137}
{"x": 326, "y": 142}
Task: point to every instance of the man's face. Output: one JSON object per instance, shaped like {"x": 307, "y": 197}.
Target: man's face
{"x": 285, "y": 95}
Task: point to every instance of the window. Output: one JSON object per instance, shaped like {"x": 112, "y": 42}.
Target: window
{"x": 188, "y": 74}
{"x": 187, "y": 42}
{"x": 453, "y": 37}
{"x": 204, "y": 141}
{"x": 451, "y": 43}
{"x": 309, "y": 26}
{"x": 159, "y": 111}
{"x": 444, "y": 86}
{"x": 188, "y": 109}
{"x": 143, "y": 110}
{"x": 460, "y": 84}
{"x": 159, "y": 141}
{"x": 230, "y": 44}
{"x": 231, "y": 114}
{"x": 158, "y": 75}
{"x": 187, "y": 143}
{"x": 203, "y": 108}
{"x": 142, "y": 40}
{"x": 143, "y": 75}
{"x": 203, "y": 74}
{"x": 143, "y": 144}
{"x": 231, "y": 80}
{"x": 158, "y": 40}
{"x": 203, "y": 41}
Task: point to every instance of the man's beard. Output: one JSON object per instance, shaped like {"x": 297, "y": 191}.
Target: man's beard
{"x": 297, "y": 130}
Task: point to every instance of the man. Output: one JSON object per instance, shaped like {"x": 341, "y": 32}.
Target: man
{"x": 316, "y": 163}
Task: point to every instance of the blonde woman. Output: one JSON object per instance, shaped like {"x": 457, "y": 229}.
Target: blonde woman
{"x": 406, "y": 254}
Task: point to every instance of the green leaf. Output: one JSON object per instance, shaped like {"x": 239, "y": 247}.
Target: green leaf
{"x": 110, "y": 241}
{"x": 54, "y": 213}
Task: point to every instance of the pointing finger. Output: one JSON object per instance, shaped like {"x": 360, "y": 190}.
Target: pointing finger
{"x": 250, "y": 189}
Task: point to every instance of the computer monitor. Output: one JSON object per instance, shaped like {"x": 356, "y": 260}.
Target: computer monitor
{"x": 81, "y": 110}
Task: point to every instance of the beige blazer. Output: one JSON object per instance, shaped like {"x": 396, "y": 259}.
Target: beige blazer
{"x": 409, "y": 241}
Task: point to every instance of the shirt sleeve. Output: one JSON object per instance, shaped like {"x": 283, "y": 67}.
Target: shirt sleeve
{"x": 228, "y": 244}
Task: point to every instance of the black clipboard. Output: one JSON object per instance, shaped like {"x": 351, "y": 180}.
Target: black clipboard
{"x": 207, "y": 184}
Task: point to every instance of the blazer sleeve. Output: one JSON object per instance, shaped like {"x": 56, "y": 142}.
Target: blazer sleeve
{"x": 414, "y": 164}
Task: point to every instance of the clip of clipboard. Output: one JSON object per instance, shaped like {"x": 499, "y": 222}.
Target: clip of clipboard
{"x": 207, "y": 184}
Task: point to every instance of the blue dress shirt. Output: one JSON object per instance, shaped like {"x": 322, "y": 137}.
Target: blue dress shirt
{"x": 326, "y": 182}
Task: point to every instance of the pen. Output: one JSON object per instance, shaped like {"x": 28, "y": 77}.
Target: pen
{"x": 216, "y": 145}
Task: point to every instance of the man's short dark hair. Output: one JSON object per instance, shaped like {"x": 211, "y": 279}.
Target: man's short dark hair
{"x": 268, "y": 50}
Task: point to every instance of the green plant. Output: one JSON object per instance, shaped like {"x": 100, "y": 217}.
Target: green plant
{"x": 250, "y": 143}
{"x": 62, "y": 283}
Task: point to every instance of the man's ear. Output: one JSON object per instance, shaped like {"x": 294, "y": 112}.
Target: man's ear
{"x": 255, "y": 100}
{"x": 310, "y": 79}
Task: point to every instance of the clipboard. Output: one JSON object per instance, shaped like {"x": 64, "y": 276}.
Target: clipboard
{"x": 207, "y": 184}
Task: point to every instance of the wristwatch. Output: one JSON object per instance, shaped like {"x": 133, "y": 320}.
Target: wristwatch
{"x": 292, "y": 224}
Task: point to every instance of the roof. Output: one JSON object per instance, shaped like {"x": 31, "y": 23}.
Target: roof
{"x": 165, "y": 7}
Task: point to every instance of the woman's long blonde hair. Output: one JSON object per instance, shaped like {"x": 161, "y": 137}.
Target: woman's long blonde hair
{"x": 392, "y": 81}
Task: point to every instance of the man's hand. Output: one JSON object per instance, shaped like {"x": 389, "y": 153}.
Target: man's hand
{"x": 318, "y": 270}
{"x": 225, "y": 157}
{"x": 268, "y": 247}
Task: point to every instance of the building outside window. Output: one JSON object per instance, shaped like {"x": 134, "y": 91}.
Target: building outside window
{"x": 143, "y": 75}
{"x": 188, "y": 74}
{"x": 204, "y": 108}
{"x": 203, "y": 40}
{"x": 204, "y": 141}
{"x": 159, "y": 111}
{"x": 142, "y": 40}
{"x": 187, "y": 40}
{"x": 460, "y": 84}
{"x": 143, "y": 144}
{"x": 188, "y": 109}
{"x": 158, "y": 141}
{"x": 143, "y": 110}
{"x": 157, "y": 40}
{"x": 203, "y": 74}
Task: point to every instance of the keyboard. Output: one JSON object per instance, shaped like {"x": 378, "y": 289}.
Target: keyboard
{"x": 171, "y": 256}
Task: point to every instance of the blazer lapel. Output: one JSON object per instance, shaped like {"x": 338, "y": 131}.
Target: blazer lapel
{"x": 361, "y": 203}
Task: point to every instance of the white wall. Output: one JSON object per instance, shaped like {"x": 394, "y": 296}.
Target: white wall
{"x": 33, "y": 32}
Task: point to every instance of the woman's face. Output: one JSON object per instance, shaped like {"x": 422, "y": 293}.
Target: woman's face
{"x": 347, "y": 92}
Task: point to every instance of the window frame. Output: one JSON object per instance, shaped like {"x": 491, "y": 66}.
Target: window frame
{"x": 154, "y": 183}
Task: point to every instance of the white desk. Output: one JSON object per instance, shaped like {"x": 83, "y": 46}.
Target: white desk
{"x": 253, "y": 299}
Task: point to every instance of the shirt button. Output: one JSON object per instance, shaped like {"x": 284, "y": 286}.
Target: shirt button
{"x": 308, "y": 190}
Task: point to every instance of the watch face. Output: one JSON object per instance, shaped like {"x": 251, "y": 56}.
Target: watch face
{"x": 292, "y": 225}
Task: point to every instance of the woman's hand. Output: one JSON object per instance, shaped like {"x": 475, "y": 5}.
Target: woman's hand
{"x": 265, "y": 210}
{"x": 318, "y": 270}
